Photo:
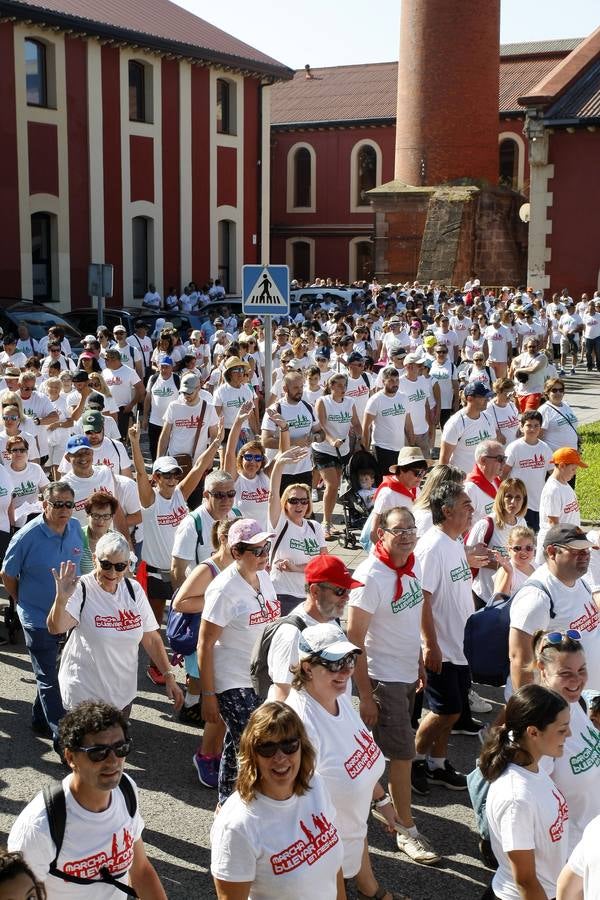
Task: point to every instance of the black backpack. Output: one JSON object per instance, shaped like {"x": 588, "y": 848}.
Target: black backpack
{"x": 259, "y": 668}
{"x": 56, "y": 811}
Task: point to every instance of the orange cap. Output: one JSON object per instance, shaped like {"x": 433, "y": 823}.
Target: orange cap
{"x": 568, "y": 456}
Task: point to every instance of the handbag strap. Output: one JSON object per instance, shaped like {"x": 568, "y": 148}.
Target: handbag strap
{"x": 198, "y": 428}
{"x": 568, "y": 421}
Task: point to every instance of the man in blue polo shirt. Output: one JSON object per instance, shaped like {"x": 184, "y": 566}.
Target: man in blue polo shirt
{"x": 37, "y": 549}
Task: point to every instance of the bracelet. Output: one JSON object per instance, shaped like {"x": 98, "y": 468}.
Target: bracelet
{"x": 287, "y": 428}
{"x": 383, "y": 801}
{"x": 209, "y": 693}
{"x": 166, "y": 674}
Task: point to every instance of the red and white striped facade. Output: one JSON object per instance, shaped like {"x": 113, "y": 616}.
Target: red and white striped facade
{"x": 93, "y": 170}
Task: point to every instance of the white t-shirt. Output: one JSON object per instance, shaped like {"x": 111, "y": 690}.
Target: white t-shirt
{"x": 418, "y": 394}
{"x": 283, "y": 652}
{"x": 460, "y": 327}
{"x": 287, "y": 849}
{"x": 38, "y": 406}
{"x": 535, "y": 381}
{"x": 559, "y": 501}
{"x": 121, "y": 383}
{"x": 143, "y": 345}
{"x": 92, "y": 840}
{"x": 388, "y": 499}
{"x": 559, "y": 426}
{"x": 184, "y": 420}
{"x": 101, "y": 479}
{"x": 444, "y": 374}
{"x": 585, "y": 860}
{"x": 576, "y": 773}
{"x": 160, "y": 522}
{"x": 242, "y": 613}
{"x": 497, "y": 340}
{"x": 161, "y": 394}
{"x": 358, "y": 389}
{"x": 252, "y": 498}
{"x": 26, "y": 486}
{"x": 130, "y": 354}
{"x": 100, "y": 658}
{"x": 300, "y": 418}
{"x": 109, "y": 453}
{"x": 465, "y": 434}
{"x": 6, "y": 487}
{"x": 193, "y": 539}
{"x": 447, "y": 576}
{"x": 230, "y": 399}
{"x": 526, "y": 811}
{"x": 483, "y": 583}
{"x": 339, "y": 421}
{"x": 392, "y": 641}
{"x": 506, "y": 419}
{"x": 33, "y": 452}
{"x": 573, "y": 607}
{"x": 350, "y": 763}
{"x": 389, "y": 419}
{"x": 299, "y": 544}
{"x": 530, "y": 462}
{"x": 483, "y": 504}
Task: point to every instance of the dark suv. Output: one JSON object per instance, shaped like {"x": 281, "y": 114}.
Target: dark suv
{"x": 86, "y": 319}
{"x": 38, "y": 318}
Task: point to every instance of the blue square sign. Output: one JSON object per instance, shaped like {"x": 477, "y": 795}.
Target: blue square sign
{"x": 266, "y": 290}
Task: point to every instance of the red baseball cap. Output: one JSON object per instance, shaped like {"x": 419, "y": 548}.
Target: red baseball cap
{"x": 330, "y": 569}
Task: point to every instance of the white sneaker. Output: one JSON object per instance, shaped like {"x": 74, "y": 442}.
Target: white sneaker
{"x": 416, "y": 848}
{"x": 315, "y": 495}
{"x": 478, "y": 704}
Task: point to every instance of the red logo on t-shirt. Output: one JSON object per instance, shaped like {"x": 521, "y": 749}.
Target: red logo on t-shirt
{"x": 174, "y": 517}
{"x": 588, "y": 621}
{"x": 573, "y": 506}
{"x": 309, "y": 851}
{"x": 260, "y": 495}
{"x": 557, "y": 827}
{"x": 364, "y": 757}
{"x": 117, "y": 863}
{"x": 126, "y": 620}
{"x": 267, "y": 613}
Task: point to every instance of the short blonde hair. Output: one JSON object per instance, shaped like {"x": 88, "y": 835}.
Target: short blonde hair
{"x": 272, "y": 722}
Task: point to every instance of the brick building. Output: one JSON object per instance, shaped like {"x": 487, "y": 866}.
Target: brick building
{"x": 131, "y": 133}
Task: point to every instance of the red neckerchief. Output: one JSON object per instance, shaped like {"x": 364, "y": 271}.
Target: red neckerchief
{"x": 478, "y": 478}
{"x": 407, "y": 569}
{"x": 391, "y": 482}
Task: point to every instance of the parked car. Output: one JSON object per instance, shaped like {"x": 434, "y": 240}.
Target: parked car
{"x": 86, "y": 319}
{"x": 38, "y": 318}
{"x": 314, "y": 295}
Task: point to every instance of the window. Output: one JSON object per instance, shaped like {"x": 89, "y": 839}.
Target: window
{"x": 302, "y": 178}
{"x": 364, "y": 261}
{"x": 301, "y": 260}
{"x": 226, "y": 107}
{"x": 139, "y": 236}
{"x": 36, "y": 73}
{"x": 137, "y": 92}
{"x": 41, "y": 255}
{"x": 226, "y": 252}
{"x": 367, "y": 173}
{"x": 509, "y": 163}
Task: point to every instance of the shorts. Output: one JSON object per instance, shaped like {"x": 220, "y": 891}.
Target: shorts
{"x": 528, "y": 401}
{"x": 158, "y": 589}
{"x": 300, "y": 478}
{"x": 190, "y": 663}
{"x": 568, "y": 345}
{"x": 328, "y": 461}
{"x": 393, "y": 733}
{"x": 447, "y": 692}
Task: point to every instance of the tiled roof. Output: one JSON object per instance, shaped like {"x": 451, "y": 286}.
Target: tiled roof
{"x": 582, "y": 100}
{"x": 368, "y": 92}
{"x": 155, "y": 20}
{"x": 526, "y": 48}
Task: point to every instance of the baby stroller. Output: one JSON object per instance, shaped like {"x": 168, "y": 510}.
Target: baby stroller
{"x": 356, "y": 511}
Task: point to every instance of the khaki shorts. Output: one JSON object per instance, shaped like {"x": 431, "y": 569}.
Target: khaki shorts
{"x": 393, "y": 732}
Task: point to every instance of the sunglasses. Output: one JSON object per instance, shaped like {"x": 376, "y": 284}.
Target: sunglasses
{"x": 298, "y": 501}
{"x": 270, "y": 748}
{"x": 106, "y": 565}
{"x": 17, "y": 450}
{"x": 557, "y": 637}
{"x": 401, "y": 532}
{"x": 257, "y": 551}
{"x": 62, "y": 504}
{"x": 99, "y": 752}
{"x": 338, "y": 591}
{"x": 336, "y": 665}
{"x": 173, "y": 474}
{"x": 101, "y": 517}
{"x": 11, "y": 418}
{"x": 222, "y": 495}
{"x": 529, "y": 548}
{"x": 253, "y": 457}
{"x": 556, "y": 391}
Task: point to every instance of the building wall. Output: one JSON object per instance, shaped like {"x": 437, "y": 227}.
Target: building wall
{"x": 84, "y": 162}
{"x": 574, "y": 248}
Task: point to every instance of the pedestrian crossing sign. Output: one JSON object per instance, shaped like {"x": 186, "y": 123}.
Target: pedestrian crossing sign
{"x": 266, "y": 290}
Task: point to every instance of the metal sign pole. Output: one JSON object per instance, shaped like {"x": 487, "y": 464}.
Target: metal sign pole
{"x": 100, "y": 310}
{"x": 268, "y": 358}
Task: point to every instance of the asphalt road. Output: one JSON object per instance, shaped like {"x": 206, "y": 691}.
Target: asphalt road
{"x": 178, "y": 811}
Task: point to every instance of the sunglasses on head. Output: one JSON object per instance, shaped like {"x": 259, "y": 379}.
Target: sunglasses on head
{"x": 256, "y": 551}
{"x": 62, "y": 504}
{"x": 253, "y": 457}
{"x": 270, "y": 748}
{"x": 99, "y": 752}
{"x": 298, "y": 501}
{"x": 222, "y": 495}
{"x": 557, "y": 637}
{"x": 336, "y": 665}
{"x": 106, "y": 565}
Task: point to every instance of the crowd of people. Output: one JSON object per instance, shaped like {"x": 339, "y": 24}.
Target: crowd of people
{"x": 438, "y": 419}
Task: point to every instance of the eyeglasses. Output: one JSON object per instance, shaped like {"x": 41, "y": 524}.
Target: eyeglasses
{"x": 528, "y": 548}
{"x": 222, "y": 495}
{"x": 557, "y": 637}
{"x": 401, "y": 532}
{"x": 270, "y": 748}
{"x": 11, "y": 418}
{"x": 441, "y": 352}
{"x": 298, "y": 501}
{"x": 99, "y": 752}
{"x": 499, "y": 458}
{"x": 253, "y": 457}
{"x": 62, "y": 504}
{"x": 257, "y": 551}
{"x": 336, "y": 665}
{"x": 17, "y": 450}
{"x": 101, "y": 517}
{"x": 338, "y": 591}
{"x": 106, "y": 565}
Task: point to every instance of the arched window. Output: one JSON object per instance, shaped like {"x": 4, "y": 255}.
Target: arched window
{"x": 302, "y": 177}
{"x": 509, "y": 163}
{"x": 139, "y": 255}
{"x": 36, "y": 73}
{"x": 301, "y": 261}
{"x": 367, "y": 173}
{"x": 42, "y": 251}
{"x": 226, "y": 107}
{"x": 137, "y": 91}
